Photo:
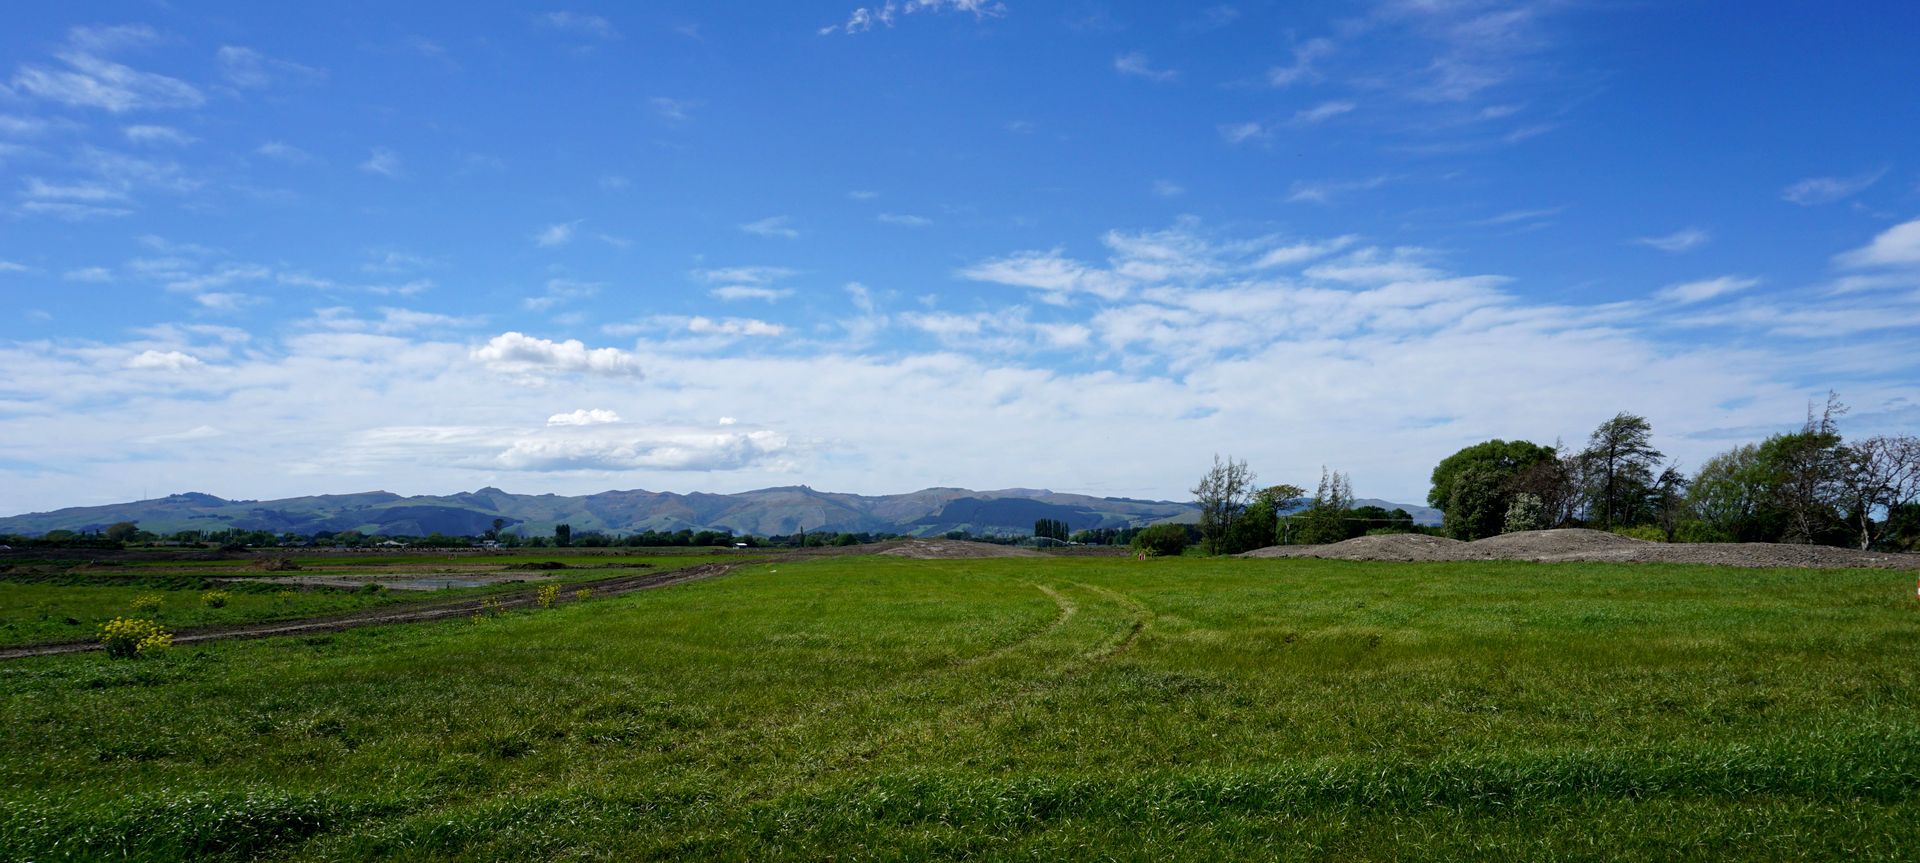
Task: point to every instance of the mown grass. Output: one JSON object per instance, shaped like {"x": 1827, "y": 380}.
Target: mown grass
{"x": 863, "y": 708}
{"x": 71, "y": 605}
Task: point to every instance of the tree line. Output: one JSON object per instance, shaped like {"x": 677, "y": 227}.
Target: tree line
{"x": 1811, "y": 485}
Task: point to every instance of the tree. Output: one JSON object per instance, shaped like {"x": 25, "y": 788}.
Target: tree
{"x": 1324, "y": 519}
{"x": 1526, "y": 512}
{"x": 1879, "y": 473}
{"x": 1493, "y": 468}
{"x": 121, "y": 531}
{"x": 1619, "y": 461}
{"x": 1050, "y": 528}
{"x": 1670, "y": 500}
{"x": 494, "y": 532}
{"x": 562, "y": 535}
{"x": 1804, "y": 472}
{"x": 1222, "y": 493}
{"x": 1728, "y": 496}
{"x": 1161, "y": 540}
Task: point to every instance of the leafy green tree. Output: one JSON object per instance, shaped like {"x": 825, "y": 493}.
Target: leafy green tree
{"x": 1619, "y": 461}
{"x": 1221, "y": 494}
{"x": 1493, "y": 468}
{"x": 121, "y": 531}
{"x": 1525, "y": 512}
{"x": 562, "y": 535}
{"x": 1161, "y": 540}
{"x": 1324, "y": 519}
{"x": 1050, "y": 528}
{"x": 1729, "y": 497}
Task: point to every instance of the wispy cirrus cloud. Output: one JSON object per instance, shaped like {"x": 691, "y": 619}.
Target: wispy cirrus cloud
{"x": 1306, "y": 57}
{"x": 249, "y": 69}
{"x": 1814, "y": 191}
{"x": 383, "y": 162}
{"x": 772, "y": 226}
{"x": 1705, "y": 289}
{"x": 90, "y": 80}
{"x": 578, "y": 24}
{"x": 865, "y": 18}
{"x": 1685, "y": 239}
{"x": 1136, "y": 64}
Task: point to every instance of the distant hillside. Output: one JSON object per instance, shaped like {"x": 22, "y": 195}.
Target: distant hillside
{"x": 765, "y": 512}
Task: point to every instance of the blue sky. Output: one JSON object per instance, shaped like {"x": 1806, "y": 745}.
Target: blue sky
{"x": 873, "y": 248}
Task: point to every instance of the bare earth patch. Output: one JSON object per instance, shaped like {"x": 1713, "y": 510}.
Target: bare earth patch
{"x": 1576, "y": 544}
{"x": 948, "y": 549}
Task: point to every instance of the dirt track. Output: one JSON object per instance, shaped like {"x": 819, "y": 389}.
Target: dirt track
{"x": 1573, "y": 544}
{"x": 409, "y": 613}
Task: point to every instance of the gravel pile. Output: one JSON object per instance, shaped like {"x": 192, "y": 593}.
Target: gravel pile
{"x": 1576, "y": 544}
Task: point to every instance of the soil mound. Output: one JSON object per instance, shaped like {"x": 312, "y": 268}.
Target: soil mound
{"x": 1576, "y": 544}
{"x": 1570, "y": 543}
{"x": 1393, "y": 546}
{"x": 952, "y": 549}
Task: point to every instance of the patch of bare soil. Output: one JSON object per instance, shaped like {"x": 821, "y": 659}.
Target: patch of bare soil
{"x": 1576, "y": 544}
{"x": 1397, "y": 546}
{"x": 949, "y": 549}
{"x": 427, "y": 581}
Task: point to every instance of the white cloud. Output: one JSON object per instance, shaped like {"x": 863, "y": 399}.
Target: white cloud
{"x": 1168, "y": 189}
{"x": 733, "y": 327}
{"x": 1705, "y": 289}
{"x": 1322, "y": 112}
{"x": 865, "y": 18}
{"x": 92, "y": 81}
{"x": 560, "y": 291}
{"x": 772, "y": 226}
{"x": 1136, "y": 64}
{"x": 580, "y": 24}
{"x": 1051, "y": 272}
{"x": 166, "y": 361}
{"x": 87, "y": 274}
{"x": 1240, "y": 133}
{"x": 518, "y": 353}
{"x": 226, "y": 301}
{"x": 621, "y": 448}
{"x": 1898, "y": 246}
{"x": 673, "y": 112}
{"x": 1324, "y": 191}
{"x": 1302, "y": 68}
{"x": 733, "y": 293}
{"x": 283, "y": 151}
{"x": 863, "y": 194}
{"x": 1814, "y": 191}
{"x": 584, "y": 417}
{"x": 12, "y": 267}
{"x": 150, "y": 135}
{"x": 903, "y": 219}
{"x": 382, "y": 161}
{"x": 558, "y": 234}
{"x": 1678, "y": 241}
{"x": 251, "y": 70}
{"x": 71, "y": 212}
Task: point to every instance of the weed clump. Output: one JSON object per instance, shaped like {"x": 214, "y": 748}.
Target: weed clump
{"x": 147, "y": 603}
{"x": 131, "y": 638}
{"x": 583, "y": 593}
{"x": 215, "y": 598}
{"x": 548, "y": 593}
{"x": 489, "y": 607}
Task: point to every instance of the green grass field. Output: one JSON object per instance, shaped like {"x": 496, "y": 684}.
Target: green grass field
{"x": 71, "y": 606}
{"x": 1089, "y": 708}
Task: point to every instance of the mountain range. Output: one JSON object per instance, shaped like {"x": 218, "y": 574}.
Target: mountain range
{"x": 765, "y": 512}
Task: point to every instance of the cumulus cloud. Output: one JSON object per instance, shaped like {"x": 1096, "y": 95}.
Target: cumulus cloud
{"x": 518, "y": 353}
{"x": 626, "y": 448}
{"x": 1898, "y": 246}
{"x": 166, "y": 361}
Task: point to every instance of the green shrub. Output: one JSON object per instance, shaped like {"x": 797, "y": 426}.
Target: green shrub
{"x": 147, "y": 603}
{"x": 128, "y": 638}
{"x": 1161, "y": 540}
{"x": 548, "y": 593}
{"x": 215, "y": 598}
{"x": 1642, "y": 531}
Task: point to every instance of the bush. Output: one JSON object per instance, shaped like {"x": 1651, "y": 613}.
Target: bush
{"x": 1647, "y": 532}
{"x": 548, "y": 593}
{"x": 583, "y": 593}
{"x": 147, "y": 603}
{"x": 1161, "y": 540}
{"x": 128, "y": 638}
{"x": 215, "y": 598}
